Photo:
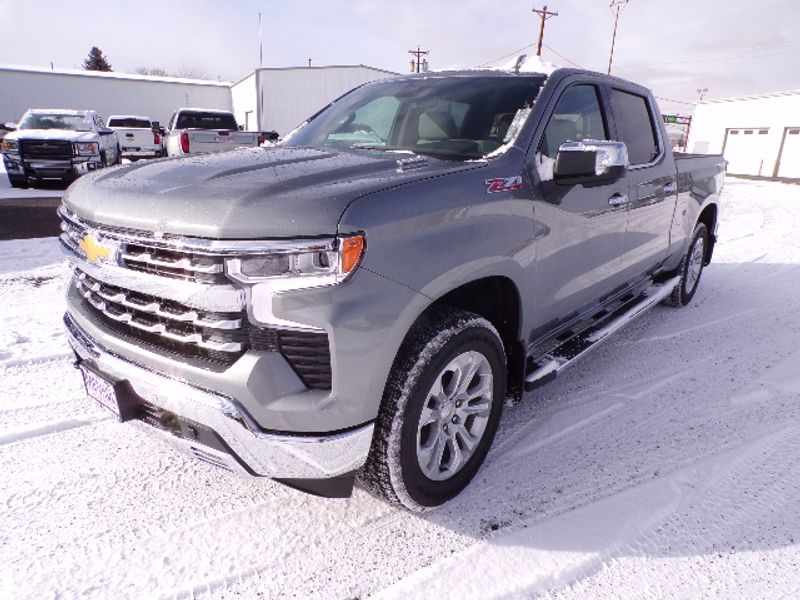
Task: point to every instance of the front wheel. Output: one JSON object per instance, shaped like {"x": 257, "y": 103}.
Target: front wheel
{"x": 691, "y": 268}
{"x": 440, "y": 410}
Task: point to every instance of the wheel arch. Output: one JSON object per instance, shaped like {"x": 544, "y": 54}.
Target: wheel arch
{"x": 708, "y": 216}
{"x": 497, "y": 299}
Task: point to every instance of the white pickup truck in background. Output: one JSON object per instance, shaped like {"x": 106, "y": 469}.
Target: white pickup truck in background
{"x": 137, "y": 136}
{"x": 196, "y": 130}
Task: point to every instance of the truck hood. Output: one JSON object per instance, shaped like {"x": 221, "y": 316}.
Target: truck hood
{"x": 52, "y": 134}
{"x": 247, "y": 193}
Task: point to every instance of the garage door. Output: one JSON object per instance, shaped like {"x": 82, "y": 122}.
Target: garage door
{"x": 746, "y": 150}
{"x": 790, "y": 154}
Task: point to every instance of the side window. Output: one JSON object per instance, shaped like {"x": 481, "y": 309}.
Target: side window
{"x": 577, "y": 116}
{"x": 635, "y": 122}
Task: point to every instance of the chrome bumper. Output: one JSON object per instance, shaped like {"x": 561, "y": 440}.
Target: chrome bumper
{"x": 253, "y": 450}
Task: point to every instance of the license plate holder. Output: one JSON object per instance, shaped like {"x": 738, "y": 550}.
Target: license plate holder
{"x": 115, "y": 396}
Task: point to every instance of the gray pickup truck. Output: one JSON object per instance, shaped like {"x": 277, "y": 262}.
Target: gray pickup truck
{"x": 360, "y": 300}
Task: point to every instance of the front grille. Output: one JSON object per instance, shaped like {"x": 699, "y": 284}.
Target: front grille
{"x": 47, "y": 149}
{"x": 217, "y": 339}
{"x": 168, "y": 325}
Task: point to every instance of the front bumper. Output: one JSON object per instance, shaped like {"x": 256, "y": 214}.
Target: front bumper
{"x": 227, "y": 436}
{"x": 50, "y": 169}
{"x": 141, "y": 152}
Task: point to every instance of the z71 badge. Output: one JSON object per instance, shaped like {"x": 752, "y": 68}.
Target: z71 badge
{"x": 503, "y": 184}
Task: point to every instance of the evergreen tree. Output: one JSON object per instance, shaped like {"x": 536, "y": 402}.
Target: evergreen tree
{"x": 96, "y": 61}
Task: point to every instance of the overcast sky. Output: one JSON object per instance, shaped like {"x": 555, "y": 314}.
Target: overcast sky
{"x": 731, "y": 47}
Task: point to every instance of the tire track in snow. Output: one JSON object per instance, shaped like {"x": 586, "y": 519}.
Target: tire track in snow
{"x": 546, "y": 556}
{"x": 11, "y": 437}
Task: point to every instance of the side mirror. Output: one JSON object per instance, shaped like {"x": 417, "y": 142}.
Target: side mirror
{"x": 104, "y": 131}
{"x": 270, "y": 136}
{"x": 10, "y": 126}
{"x": 590, "y": 161}
{"x": 162, "y": 131}
{"x": 155, "y": 127}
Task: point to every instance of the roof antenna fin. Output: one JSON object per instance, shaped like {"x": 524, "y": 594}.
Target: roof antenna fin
{"x": 520, "y": 61}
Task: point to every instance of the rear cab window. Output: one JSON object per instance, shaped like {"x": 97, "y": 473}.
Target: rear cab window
{"x": 129, "y": 123}
{"x": 205, "y": 120}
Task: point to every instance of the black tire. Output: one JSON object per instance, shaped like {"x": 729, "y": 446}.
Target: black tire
{"x": 440, "y": 338}
{"x": 691, "y": 268}
{"x": 103, "y": 160}
{"x": 118, "y": 160}
{"x": 18, "y": 182}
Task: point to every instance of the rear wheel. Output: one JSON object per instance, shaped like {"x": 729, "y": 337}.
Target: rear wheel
{"x": 691, "y": 268}
{"x": 440, "y": 410}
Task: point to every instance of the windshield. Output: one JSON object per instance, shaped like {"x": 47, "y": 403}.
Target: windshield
{"x": 55, "y": 121}
{"x": 205, "y": 120}
{"x": 447, "y": 117}
{"x": 129, "y": 123}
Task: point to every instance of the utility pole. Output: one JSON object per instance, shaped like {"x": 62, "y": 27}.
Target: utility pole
{"x": 260, "y": 43}
{"x": 419, "y": 54}
{"x": 617, "y": 6}
{"x": 544, "y": 15}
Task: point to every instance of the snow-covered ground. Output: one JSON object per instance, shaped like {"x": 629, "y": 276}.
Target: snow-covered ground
{"x": 666, "y": 464}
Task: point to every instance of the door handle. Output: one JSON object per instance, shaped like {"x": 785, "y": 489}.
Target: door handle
{"x": 671, "y": 187}
{"x": 618, "y": 199}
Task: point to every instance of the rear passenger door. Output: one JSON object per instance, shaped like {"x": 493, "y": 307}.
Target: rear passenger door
{"x": 652, "y": 181}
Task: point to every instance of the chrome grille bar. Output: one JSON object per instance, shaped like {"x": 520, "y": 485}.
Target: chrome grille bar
{"x": 184, "y": 263}
{"x": 112, "y": 307}
{"x": 188, "y": 316}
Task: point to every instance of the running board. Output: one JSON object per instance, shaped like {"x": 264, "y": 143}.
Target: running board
{"x": 547, "y": 367}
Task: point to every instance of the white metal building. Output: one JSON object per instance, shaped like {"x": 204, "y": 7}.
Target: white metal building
{"x": 759, "y": 135}
{"x": 111, "y": 93}
{"x": 269, "y": 99}
{"x": 279, "y": 99}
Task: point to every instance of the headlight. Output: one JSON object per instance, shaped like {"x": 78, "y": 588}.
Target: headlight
{"x": 300, "y": 264}
{"x": 10, "y": 146}
{"x": 87, "y": 148}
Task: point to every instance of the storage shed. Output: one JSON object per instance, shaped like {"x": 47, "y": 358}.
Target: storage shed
{"x": 280, "y": 99}
{"x": 759, "y": 135}
{"x": 107, "y": 93}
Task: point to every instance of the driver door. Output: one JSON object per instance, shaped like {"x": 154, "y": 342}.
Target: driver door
{"x": 578, "y": 260}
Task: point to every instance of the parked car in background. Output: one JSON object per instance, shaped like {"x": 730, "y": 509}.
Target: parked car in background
{"x": 58, "y": 145}
{"x": 198, "y": 130}
{"x": 138, "y": 138}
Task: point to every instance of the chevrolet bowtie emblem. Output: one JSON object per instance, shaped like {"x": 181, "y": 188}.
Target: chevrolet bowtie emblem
{"x": 94, "y": 250}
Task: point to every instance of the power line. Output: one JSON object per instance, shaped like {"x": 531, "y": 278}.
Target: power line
{"x": 675, "y": 101}
{"x": 561, "y": 56}
{"x": 544, "y": 15}
{"x": 719, "y": 58}
{"x": 509, "y": 55}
